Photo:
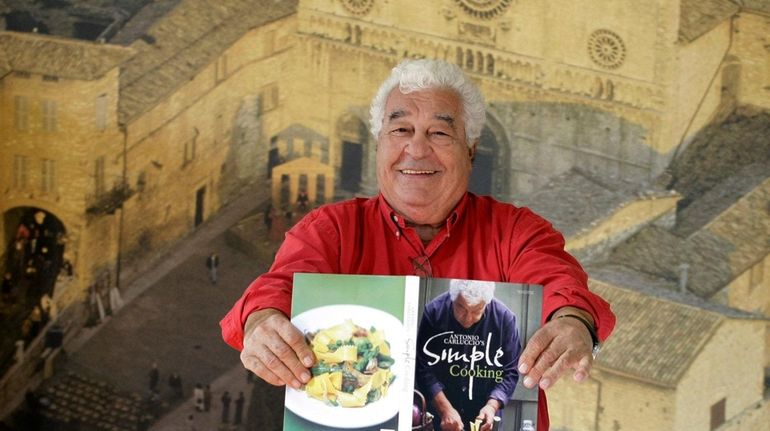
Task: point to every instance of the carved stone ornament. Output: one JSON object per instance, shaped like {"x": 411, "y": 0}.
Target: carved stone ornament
{"x": 484, "y": 9}
{"x": 358, "y": 7}
{"x": 606, "y": 49}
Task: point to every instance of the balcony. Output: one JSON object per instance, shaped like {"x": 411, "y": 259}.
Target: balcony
{"x": 109, "y": 201}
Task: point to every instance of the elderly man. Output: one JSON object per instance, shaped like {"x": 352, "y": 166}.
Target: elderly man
{"x": 427, "y": 118}
{"x": 467, "y": 348}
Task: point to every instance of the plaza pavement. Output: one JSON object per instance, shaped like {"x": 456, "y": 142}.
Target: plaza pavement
{"x": 171, "y": 317}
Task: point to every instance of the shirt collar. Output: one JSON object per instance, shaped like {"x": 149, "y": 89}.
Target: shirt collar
{"x": 397, "y": 222}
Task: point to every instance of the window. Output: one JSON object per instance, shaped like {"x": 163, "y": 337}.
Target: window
{"x": 48, "y": 176}
{"x": 49, "y": 115}
{"x": 101, "y": 113}
{"x": 22, "y": 113}
{"x": 189, "y": 151}
{"x": 220, "y": 68}
{"x": 99, "y": 176}
{"x": 268, "y": 98}
{"x": 141, "y": 181}
{"x": 20, "y": 172}
{"x": 718, "y": 414}
{"x": 190, "y": 147}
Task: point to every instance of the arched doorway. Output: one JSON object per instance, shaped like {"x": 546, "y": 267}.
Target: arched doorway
{"x": 481, "y": 182}
{"x": 352, "y": 134}
{"x": 34, "y": 256}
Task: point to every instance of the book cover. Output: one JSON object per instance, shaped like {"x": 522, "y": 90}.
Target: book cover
{"x": 385, "y": 345}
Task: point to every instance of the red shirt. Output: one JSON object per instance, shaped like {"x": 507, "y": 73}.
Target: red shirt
{"x": 482, "y": 239}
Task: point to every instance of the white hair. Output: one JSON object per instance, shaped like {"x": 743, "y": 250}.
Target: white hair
{"x": 416, "y": 75}
{"x": 473, "y": 291}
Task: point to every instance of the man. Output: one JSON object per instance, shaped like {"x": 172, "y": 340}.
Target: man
{"x": 468, "y": 345}
{"x": 212, "y": 263}
{"x": 154, "y": 377}
{"x": 427, "y": 118}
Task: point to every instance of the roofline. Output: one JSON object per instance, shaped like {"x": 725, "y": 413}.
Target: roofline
{"x": 126, "y": 119}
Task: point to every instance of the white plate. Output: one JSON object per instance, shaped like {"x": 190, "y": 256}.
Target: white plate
{"x": 350, "y": 417}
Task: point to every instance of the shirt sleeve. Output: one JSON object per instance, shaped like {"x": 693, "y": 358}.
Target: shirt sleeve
{"x": 309, "y": 246}
{"x": 538, "y": 257}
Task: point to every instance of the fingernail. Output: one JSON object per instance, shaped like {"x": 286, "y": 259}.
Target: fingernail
{"x": 545, "y": 384}
{"x": 529, "y": 382}
{"x": 523, "y": 368}
{"x": 308, "y": 361}
{"x": 295, "y": 384}
{"x": 579, "y": 376}
{"x": 305, "y": 377}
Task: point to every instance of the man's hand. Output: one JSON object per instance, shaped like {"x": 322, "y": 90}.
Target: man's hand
{"x": 559, "y": 345}
{"x": 487, "y": 414}
{"x": 450, "y": 418}
{"x": 272, "y": 348}
{"x": 451, "y": 421}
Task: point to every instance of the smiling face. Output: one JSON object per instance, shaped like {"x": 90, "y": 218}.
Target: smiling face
{"x": 423, "y": 160}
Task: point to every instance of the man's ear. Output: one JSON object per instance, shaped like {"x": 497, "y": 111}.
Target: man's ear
{"x": 472, "y": 151}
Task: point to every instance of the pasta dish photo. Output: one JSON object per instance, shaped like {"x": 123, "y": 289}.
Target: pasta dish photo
{"x": 353, "y": 365}
{"x": 358, "y": 379}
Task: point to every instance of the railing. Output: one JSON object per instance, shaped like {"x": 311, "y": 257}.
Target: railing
{"x": 109, "y": 201}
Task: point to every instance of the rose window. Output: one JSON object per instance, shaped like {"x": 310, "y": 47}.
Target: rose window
{"x": 606, "y": 49}
{"x": 484, "y": 9}
{"x": 358, "y": 7}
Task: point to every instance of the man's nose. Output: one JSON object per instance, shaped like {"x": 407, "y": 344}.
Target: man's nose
{"x": 419, "y": 146}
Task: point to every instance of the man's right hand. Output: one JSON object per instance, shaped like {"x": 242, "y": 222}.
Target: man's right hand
{"x": 452, "y": 421}
{"x": 272, "y": 348}
{"x": 450, "y": 417}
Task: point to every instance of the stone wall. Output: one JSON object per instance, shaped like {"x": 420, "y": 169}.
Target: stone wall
{"x": 85, "y": 131}
{"x": 730, "y": 367}
{"x": 202, "y": 133}
{"x": 751, "y": 47}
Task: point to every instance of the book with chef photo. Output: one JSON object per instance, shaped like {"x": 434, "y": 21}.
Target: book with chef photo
{"x": 386, "y": 347}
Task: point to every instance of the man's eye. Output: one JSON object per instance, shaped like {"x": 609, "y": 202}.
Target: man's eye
{"x": 399, "y": 131}
{"x": 441, "y": 137}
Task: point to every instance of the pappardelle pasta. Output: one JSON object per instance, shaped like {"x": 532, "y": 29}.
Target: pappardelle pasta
{"x": 353, "y": 365}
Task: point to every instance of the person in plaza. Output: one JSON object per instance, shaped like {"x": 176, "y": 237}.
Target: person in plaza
{"x": 427, "y": 119}
{"x": 225, "y": 407}
{"x": 191, "y": 423}
{"x": 303, "y": 201}
{"x": 198, "y": 397}
{"x": 154, "y": 376}
{"x": 175, "y": 384}
{"x": 468, "y": 318}
{"x": 206, "y": 398}
{"x": 268, "y": 216}
{"x": 238, "y": 416}
{"x": 212, "y": 263}
{"x": 7, "y": 287}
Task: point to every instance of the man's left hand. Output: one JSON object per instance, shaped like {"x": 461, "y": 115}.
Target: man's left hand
{"x": 561, "y": 344}
{"x": 487, "y": 414}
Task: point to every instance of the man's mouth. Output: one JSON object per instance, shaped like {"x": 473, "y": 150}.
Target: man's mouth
{"x": 416, "y": 172}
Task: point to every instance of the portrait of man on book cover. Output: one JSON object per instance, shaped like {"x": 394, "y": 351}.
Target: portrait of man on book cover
{"x": 469, "y": 342}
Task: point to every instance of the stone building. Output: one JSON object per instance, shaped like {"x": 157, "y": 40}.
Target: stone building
{"x": 133, "y": 138}
{"x": 673, "y": 363}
